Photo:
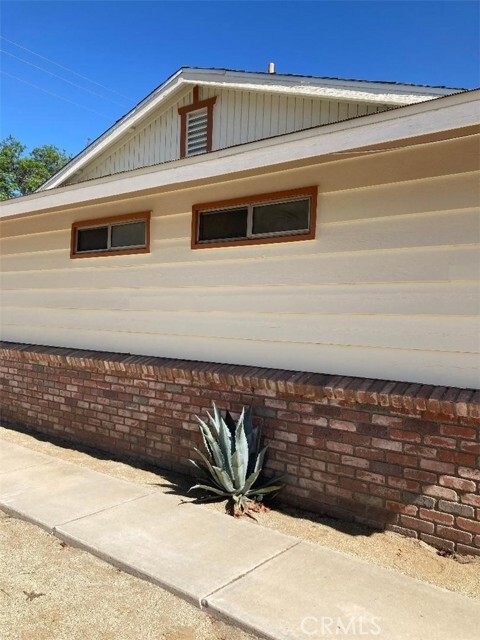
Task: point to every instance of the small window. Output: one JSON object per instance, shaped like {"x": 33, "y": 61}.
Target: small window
{"x": 274, "y": 217}
{"x": 119, "y": 235}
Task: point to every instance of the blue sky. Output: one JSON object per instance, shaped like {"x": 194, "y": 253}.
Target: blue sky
{"x": 129, "y": 48}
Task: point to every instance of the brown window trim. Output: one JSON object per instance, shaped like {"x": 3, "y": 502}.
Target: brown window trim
{"x": 311, "y": 192}
{"x": 195, "y": 106}
{"x": 95, "y": 222}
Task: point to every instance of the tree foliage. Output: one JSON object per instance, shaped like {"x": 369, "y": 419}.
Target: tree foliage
{"x": 21, "y": 174}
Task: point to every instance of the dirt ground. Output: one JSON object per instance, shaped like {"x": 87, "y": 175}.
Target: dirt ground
{"x": 87, "y": 598}
{"x": 51, "y": 591}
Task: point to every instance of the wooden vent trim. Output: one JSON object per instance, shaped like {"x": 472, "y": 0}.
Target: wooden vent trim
{"x": 196, "y": 126}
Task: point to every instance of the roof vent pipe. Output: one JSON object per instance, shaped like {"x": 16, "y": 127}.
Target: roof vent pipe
{"x": 271, "y": 67}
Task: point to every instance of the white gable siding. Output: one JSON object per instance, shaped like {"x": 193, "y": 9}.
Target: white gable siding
{"x": 388, "y": 289}
{"x": 238, "y": 117}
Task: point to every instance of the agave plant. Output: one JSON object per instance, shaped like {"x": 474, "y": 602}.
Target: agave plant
{"x": 233, "y": 462}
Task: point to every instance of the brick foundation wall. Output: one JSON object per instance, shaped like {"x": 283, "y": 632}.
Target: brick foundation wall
{"x": 391, "y": 455}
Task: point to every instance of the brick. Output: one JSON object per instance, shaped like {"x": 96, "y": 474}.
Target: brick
{"x": 436, "y": 516}
{"x": 403, "y": 531}
{"x": 441, "y": 492}
{"x": 380, "y": 443}
{"x": 370, "y": 477}
{"x": 418, "y": 499}
{"x": 418, "y": 450}
{"x": 441, "y": 467}
{"x": 398, "y": 507}
{"x": 473, "y": 474}
{"x": 403, "y": 460}
{"x": 437, "y": 441}
{"x": 386, "y": 421}
{"x": 470, "y": 447}
{"x": 468, "y": 550}
{"x": 352, "y": 461}
{"x": 457, "y": 483}
{"x": 454, "y": 534}
{"x": 469, "y": 525}
{"x": 340, "y": 447}
{"x": 342, "y": 425}
{"x": 456, "y": 509}
{"x": 438, "y": 543}
{"x": 421, "y": 476}
{"x": 472, "y": 499}
{"x": 408, "y": 436}
{"x": 416, "y": 524}
{"x": 403, "y": 483}
{"x": 457, "y": 431}
{"x": 457, "y": 458}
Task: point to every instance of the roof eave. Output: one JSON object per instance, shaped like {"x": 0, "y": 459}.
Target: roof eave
{"x": 443, "y": 115}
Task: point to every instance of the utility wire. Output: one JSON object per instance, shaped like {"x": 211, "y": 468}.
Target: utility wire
{"x": 55, "y": 95}
{"x": 16, "y": 44}
{"x": 31, "y": 64}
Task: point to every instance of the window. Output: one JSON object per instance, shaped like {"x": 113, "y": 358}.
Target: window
{"x": 119, "y": 235}
{"x": 273, "y": 217}
{"x": 196, "y": 125}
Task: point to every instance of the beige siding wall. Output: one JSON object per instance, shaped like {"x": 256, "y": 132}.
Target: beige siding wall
{"x": 388, "y": 289}
{"x": 239, "y": 116}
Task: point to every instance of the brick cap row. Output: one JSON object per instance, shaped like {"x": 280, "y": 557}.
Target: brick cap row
{"x": 403, "y": 397}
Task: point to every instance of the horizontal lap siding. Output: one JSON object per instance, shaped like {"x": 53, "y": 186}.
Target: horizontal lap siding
{"x": 389, "y": 288}
{"x": 239, "y": 117}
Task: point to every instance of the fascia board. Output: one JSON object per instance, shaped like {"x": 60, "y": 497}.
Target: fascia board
{"x": 351, "y": 90}
{"x": 449, "y": 113}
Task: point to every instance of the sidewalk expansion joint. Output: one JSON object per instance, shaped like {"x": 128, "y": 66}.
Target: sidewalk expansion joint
{"x": 204, "y": 601}
{"x": 30, "y": 466}
{"x": 94, "y": 513}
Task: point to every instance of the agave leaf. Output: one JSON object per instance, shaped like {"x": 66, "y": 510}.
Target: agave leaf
{"x": 211, "y": 473}
{"x": 225, "y": 443}
{"x": 203, "y": 430}
{"x": 212, "y": 445}
{"x": 201, "y": 470}
{"x": 224, "y": 480}
{"x": 252, "y": 478}
{"x": 241, "y": 452}
{"x": 207, "y": 487}
{"x": 260, "y": 459}
{"x": 238, "y": 468}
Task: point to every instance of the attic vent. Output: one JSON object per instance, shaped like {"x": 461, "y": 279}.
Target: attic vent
{"x": 197, "y": 132}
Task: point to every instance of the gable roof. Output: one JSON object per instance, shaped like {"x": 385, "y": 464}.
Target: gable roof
{"x": 389, "y": 93}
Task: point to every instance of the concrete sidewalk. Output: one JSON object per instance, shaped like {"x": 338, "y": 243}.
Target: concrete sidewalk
{"x": 272, "y": 584}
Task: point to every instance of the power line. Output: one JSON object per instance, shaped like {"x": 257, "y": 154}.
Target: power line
{"x": 55, "y": 95}
{"x": 60, "y": 77}
{"x": 16, "y": 44}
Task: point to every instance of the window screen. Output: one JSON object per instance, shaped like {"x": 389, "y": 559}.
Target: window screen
{"x": 92, "y": 239}
{"x": 281, "y": 216}
{"x": 131, "y": 234}
{"x": 223, "y": 225}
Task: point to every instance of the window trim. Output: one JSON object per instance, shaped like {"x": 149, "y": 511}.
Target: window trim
{"x": 196, "y": 105}
{"x": 250, "y": 202}
{"x": 143, "y": 216}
